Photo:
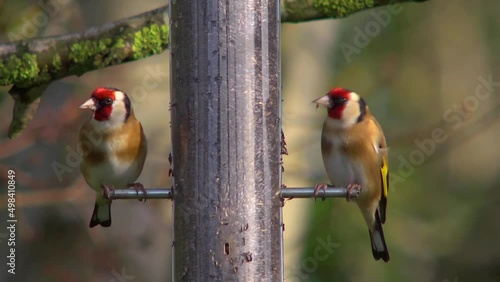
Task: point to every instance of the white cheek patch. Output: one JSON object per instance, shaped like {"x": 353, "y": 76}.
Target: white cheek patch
{"x": 354, "y": 97}
{"x": 351, "y": 113}
{"x": 119, "y": 96}
{"x": 119, "y": 111}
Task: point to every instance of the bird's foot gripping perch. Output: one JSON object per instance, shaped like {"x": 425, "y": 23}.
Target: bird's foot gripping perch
{"x": 353, "y": 186}
{"x": 139, "y": 187}
{"x": 320, "y": 186}
{"x": 107, "y": 191}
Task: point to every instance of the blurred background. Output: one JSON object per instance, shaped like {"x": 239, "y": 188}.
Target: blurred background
{"x": 430, "y": 74}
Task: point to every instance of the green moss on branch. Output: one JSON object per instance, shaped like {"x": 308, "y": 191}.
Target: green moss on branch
{"x": 33, "y": 62}
{"x": 306, "y": 10}
{"x": 342, "y": 8}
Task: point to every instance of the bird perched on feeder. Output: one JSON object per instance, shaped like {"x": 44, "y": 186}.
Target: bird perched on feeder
{"x": 355, "y": 156}
{"x": 113, "y": 148}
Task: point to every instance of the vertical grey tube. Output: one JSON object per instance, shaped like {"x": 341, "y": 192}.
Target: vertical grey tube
{"x": 226, "y": 129}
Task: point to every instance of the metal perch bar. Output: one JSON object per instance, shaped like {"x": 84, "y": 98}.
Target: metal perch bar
{"x": 307, "y": 192}
{"x": 290, "y": 193}
{"x": 128, "y": 194}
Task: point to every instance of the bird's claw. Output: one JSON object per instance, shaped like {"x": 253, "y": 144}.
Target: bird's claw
{"x": 317, "y": 187}
{"x": 107, "y": 191}
{"x": 350, "y": 188}
{"x": 139, "y": 187}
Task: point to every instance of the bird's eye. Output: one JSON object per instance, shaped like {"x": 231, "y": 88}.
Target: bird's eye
{"x": 107, "y": 101}
{"x": 339, "y": 101}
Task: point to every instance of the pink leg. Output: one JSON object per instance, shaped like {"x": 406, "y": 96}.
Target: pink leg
{"x": 139, "y": 187}
{"x": 107, "y": 190}
{"x": 320, "y": 186}
{"x": 350, "y": 187}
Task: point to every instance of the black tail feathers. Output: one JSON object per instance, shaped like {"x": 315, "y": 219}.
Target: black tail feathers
{"x": 379, "y": 248}
{"x": 101, "y": 216}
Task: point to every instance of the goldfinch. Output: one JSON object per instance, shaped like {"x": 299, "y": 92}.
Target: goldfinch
{"x": 355, "y": 156}
{"x": 112, "y": 146}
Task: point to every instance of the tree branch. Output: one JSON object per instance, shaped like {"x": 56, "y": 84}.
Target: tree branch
{"x": 307, "y": 10}
{"x": 32, "y": 62}
{"x": 28, "y": 64}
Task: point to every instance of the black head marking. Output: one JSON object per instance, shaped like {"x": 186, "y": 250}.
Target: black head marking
{"x": 362, "y": 109}
{"x": 338, "y": 101}
{"x": 105, "y": 102}
{"x": 126, "y": 100}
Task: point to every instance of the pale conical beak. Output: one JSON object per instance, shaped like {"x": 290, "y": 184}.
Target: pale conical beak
{"x": 325, "y": 100}
{"x": 90, "y": 104}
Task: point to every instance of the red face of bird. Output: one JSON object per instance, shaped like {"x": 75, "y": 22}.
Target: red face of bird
{"x": 109, "y": 105}
{"x": 345, "y": 108}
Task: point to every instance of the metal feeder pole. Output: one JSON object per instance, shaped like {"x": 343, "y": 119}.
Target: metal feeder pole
{"x": 226, "y": 130}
